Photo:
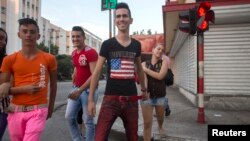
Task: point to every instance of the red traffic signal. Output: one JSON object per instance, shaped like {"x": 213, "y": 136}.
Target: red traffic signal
{"x": 204, "y": 15}
{"x": 188, "y": 21}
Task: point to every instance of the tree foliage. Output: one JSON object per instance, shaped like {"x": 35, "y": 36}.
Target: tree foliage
{"x": 65, "y": 67}
{"x": 53, "y": 49}
{"x": 42, "y": 47}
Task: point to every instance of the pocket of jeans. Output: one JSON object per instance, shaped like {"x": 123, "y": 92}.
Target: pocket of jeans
{"x": 42, "y": 113}
{"x": 108, "y": 102}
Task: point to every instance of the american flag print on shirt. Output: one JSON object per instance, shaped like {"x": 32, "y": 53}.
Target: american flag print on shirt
{"x": 122, "y": 68}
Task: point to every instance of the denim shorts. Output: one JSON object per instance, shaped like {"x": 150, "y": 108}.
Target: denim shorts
{"x": 154, "y": 101}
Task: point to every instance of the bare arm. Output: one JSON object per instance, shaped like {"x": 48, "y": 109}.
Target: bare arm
{"x": 157, "y": 75}
{"x": 5, "y": 85}
{"x": 53, "y": 89}
{"x": 74, "y": 95}
{"x": 140, "y": 73}
{"x": 73, "y": 75}
{"x": 92, "y": 66}
{"x": 93, "y": 85}
{"x": 6, "y": 78}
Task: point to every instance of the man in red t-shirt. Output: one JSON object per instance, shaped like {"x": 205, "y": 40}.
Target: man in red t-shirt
{"x": 84, "y": 60}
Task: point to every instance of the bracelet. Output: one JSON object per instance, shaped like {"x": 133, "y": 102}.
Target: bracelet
{"x": 144, "y": 90}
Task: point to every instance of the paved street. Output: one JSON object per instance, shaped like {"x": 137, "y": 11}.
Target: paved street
{"x": 181, "y": 125}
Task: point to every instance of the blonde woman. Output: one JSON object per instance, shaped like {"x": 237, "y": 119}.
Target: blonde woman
{"x": 155, "y": 70}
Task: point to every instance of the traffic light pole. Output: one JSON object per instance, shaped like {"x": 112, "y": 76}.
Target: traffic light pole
{"x": 110, "y": 24}
{"x": 201, "y": 113}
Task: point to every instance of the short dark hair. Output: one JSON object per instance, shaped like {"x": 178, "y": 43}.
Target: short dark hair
{"x": 78, "y": 28}
{"x": 123, "y": 5}
{"x": 26, "y": 21}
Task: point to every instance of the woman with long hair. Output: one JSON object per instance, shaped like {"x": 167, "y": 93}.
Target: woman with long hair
{"x": 4, "y": 99}
{"x": 155, "y": 70}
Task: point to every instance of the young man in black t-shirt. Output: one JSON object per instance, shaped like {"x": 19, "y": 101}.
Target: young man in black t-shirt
{"x": 123, "y": 55}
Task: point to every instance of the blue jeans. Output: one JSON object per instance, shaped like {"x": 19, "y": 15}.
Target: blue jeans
{"x": 154, "y": 101}
{"x": 73, "y": 107}
{"x": 3, "y": 124}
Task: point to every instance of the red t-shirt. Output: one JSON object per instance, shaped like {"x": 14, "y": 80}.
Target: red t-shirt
{"x": 81, "y": 62}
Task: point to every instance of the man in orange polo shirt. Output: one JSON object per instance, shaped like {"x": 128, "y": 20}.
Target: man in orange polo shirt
{"x": 31, "y": 69}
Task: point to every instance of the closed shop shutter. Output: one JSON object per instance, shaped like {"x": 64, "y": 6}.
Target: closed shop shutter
{"x": 227, "y": 60}
{"x": 186, "y": 67}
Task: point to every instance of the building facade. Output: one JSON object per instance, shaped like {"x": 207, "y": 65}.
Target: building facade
{"x": 226, "y": 54}
{"x": 12, "y": 10}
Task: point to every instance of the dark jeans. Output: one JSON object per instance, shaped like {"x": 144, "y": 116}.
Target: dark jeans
{"x": 3, "y": 124}
{"x": 110, "y": 110}
{"x": 79, "y": 116}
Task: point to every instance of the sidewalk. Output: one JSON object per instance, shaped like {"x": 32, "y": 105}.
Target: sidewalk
{"x": 181, "y": 125}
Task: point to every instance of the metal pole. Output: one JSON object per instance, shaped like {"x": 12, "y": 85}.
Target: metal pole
{"x": 110, "y": 24}
{"x": 50, "y": 35}
{"x": 201, "y": 113}
{"x": 113, "y": 22}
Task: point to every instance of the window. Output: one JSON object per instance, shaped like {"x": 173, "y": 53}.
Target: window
{"x": 67, "y": 49}
{"x": 3, "y": 10}
{"x": 28, "y": 4}
{"x": 3, "y": 25}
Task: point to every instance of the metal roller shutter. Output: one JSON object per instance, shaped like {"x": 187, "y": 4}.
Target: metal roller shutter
{"x": 186, "y": 68}
{"x": 227, "y": 60}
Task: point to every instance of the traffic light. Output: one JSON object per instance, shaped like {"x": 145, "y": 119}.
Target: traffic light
{"x": 188, "y": 21}
{"x": 204, "y": 15}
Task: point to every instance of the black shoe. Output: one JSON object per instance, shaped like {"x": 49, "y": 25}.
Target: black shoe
{"x": 167, "y": 112}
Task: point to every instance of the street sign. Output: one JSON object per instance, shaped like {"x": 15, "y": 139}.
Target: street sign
{"x": 108, "y": 4}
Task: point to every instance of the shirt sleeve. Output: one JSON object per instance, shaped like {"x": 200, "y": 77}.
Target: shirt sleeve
{"x": 92, "y": 56}
{"x": 7, "y": 64}
{"x": 104, "y": 50}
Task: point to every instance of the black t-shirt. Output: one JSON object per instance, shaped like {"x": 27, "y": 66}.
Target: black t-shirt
{"x": 120, "y": 66}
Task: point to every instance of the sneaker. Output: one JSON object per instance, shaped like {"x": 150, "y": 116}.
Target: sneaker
{"x": 167, "y": 112}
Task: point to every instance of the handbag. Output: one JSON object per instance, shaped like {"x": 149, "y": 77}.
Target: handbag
{"x": 169, "y": 79}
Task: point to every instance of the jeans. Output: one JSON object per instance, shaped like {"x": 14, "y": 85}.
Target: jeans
{"x": 27, "y": 126}
{"x": 154, "y": 101}
{"x": 3, "y": 123}
{"x": 73, "y": 107}
{"x": 110, "y": 110}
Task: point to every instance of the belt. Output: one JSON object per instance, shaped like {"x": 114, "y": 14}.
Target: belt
{"x": 124, "y": 98}
{"x": 25, "y": 108}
